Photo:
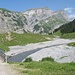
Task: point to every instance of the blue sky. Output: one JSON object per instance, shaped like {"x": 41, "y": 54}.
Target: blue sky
{"x": 22, "y": 5}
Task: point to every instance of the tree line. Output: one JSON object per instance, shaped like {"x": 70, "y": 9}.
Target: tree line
{"x": 68, "y": 27}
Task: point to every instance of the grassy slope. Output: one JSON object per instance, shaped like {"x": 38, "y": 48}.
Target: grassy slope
{"x": 21, "y": 39}
{"x": 69, "y": 35}
{"x": 65, "y": 36}
{"x": 46, "y": 68}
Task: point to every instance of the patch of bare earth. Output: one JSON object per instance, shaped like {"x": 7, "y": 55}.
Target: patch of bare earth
{"x": 7, "y": 69}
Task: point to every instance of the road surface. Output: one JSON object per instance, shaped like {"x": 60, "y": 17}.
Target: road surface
{"x": 37, "y": 47}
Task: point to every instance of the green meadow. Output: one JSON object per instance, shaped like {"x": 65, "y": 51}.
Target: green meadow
{"x": 26, "y": 38}
{"x": 21, "y": 39}
{"x": 46, "y": 68}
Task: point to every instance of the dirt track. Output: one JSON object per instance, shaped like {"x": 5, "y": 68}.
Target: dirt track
{"x": 6, "y": 69}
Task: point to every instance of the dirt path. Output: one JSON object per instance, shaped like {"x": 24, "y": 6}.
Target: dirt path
{"x": 6, "y": 69}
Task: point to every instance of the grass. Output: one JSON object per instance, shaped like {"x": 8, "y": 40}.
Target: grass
{"x": 48, "y": 59}
{"x": 4, "y": 47}
{"x": 66, "y": 35}
{"x": 26, "y": 38}
{"x": 57, "y": 33}
{"x": 28, "y": 60}
{"x": 21, "y": 39}
{"x": 71, "y": 44}
{"x": 46, "y": 68}
{"x": 69, "y": 36}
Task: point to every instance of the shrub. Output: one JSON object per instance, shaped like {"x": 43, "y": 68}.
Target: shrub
{"x": 28, "y": 60}
{"x": 21, "y": 64}
{"x": 71, "y": 44}
{"x": 48, "y": 59}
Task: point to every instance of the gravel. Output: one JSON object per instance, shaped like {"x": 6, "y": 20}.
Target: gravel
{"x": 56, "y": 49}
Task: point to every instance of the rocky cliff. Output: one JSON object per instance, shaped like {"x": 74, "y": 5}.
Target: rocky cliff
{"x": 40, "y": 20}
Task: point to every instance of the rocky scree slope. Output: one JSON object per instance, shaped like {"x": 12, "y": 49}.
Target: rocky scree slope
{"x": 40, "y": 20}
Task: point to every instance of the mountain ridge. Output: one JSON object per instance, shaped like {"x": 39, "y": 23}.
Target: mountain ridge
{"x": 38, "y": 20}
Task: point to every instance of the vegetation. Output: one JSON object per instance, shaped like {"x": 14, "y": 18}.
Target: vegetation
{"x": 46, "y": 27}
{"x": 5, "y": 48}
{"x": 46, "y": 68}
{"x": 48, "y": 59}
{"x": 36, "y": 27}
{"x": 68, "y": 28}
{"x": 69, "y": 35}
{"x": 71, "y": 44}
{"x": 20, "y": 39}
{"x": 26, "y": 38}
{"x": 28, "y": 60}
{"x": 3, "y": 9}
{"x": 65, "y": 36}
{"x": 66, "y": 31}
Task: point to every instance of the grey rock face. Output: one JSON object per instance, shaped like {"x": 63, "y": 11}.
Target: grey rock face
{"x": 41, "y": 20}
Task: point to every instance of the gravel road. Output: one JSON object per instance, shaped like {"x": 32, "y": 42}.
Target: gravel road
{"x": 37, "y": 51}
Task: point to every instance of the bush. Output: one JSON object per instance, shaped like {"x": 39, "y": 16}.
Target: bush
{"x": 28, "y": 60}
{"x": 71, "y": 44}
{"x": 48, "y": 59}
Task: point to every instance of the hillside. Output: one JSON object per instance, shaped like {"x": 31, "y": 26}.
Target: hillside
{"x": 39, "y": 20}
{"x": 14, "y": 39}
{"x": 66, "y": 30}
{"x": 68, "y": 27}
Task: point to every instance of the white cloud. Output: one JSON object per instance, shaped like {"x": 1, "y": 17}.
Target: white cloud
{"x": 69, "y": 10}
{"x": 71, "y": 17}
{"x": 70, "y": 13}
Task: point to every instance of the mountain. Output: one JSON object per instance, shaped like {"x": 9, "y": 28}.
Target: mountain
{"x": 68, "y": 27}
{"x": 39, "y": 20}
